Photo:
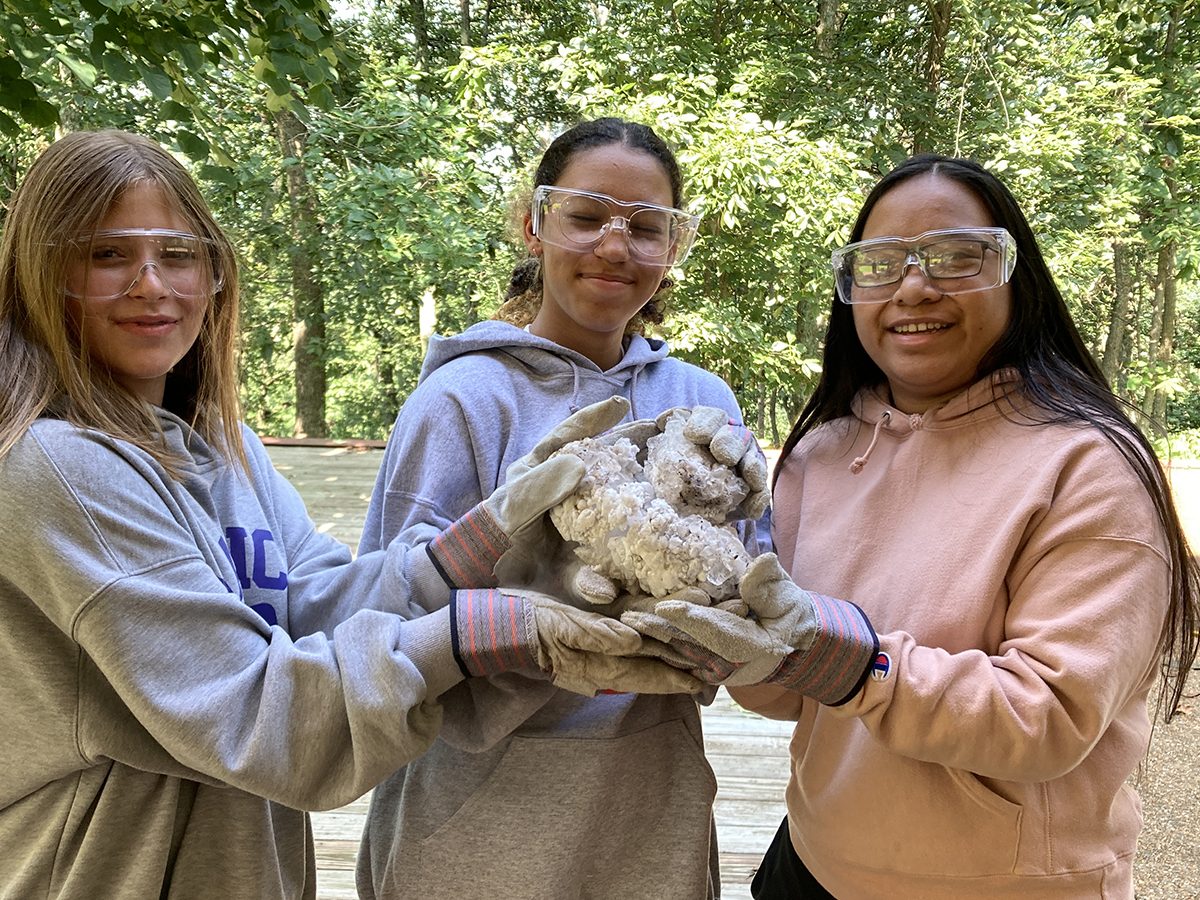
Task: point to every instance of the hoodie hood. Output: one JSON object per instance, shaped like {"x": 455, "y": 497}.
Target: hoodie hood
{"x": 977, "y": 403}
{"x": 543, "y": 358}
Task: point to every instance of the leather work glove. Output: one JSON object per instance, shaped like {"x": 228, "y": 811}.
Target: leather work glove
{"x": 803, "y": 641}
{"x": 731, "y": 444}
{"x": 496, "y": 630}
{"x": 512, "y": 521}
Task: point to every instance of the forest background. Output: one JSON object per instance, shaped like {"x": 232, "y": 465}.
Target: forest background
{"x": 366, "y": 159}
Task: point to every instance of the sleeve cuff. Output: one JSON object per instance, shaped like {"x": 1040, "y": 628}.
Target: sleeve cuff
{"x": 836, "y": 666}
{"x": 427, "y": 585}
{"x": 492, "y": 632}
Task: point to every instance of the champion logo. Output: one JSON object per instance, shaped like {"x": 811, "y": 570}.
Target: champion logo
{"x": 881, "y": 668}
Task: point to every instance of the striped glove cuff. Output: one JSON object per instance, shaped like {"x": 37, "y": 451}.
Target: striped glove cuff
{"x": 493, "y": 632}
{"x": 465, "y": 554}
{"x": 835, "y": 667}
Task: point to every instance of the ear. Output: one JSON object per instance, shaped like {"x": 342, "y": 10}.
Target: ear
{"x": 532, "y": 242}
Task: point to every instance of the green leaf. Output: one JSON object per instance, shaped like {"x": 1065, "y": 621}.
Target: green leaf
{"x": 82, "y": 70}
{"x": 311, "y": 29}
{"x": 320, "y": 96}
{"x": 286, "y": 63}
{"x": 193, "y": 145}
{"x": 193, "y": 58}
{"x": 158, "y": 82}
{"x": 172, "y": 109}
{"x": 39, "y": 113}
{"x": 9, "y": 125}
{"x": 220, "y": 174}
{"x": 118, "y": 68}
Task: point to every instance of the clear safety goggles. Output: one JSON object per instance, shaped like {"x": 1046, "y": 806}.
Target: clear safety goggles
{"x": 109, "y": 264}
{"x": 580, "y": 220}
{"x": 955, "y": 260}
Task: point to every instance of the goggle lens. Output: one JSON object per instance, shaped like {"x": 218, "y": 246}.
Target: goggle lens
{"x": 959, "y": 261}
{"x": 579, "y": 220}
{"x": 108, "y": 264}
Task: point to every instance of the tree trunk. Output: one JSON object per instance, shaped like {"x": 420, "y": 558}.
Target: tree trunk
{"x": 940, "y": 12}
{"x": 1122, "y": 289}
{"x": 308, "y": 298}
{"x": 827, "y": 11}
{"x": 464, "y": 7}
{"x": 1153, "y": 340}
{"x": 420, "y": 31}
{"x": 485, "y": 30}
{"x": 773, "y": 412}
{"x": 1166, "y": 340}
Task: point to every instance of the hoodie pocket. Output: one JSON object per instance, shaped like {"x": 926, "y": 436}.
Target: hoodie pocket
{"x": 870, "y": 808}
{"x": 625, "y": 816}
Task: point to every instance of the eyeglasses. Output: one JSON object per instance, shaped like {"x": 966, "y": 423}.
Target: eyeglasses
{"x": 956, "y": 260}
{"x": 580, "y": 220}
{"x": 108, "y": 264}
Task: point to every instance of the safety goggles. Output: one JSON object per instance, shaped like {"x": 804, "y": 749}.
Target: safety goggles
{"x": 955, "y": 260}
{"x": 108, "y": 264}
{"x": 580, "y": 220}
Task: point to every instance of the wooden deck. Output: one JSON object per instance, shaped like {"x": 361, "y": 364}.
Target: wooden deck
{"x": 749, "y": 754}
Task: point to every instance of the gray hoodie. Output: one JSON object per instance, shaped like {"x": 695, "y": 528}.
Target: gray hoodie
{"x": 182, "y": 667}
{"x": 533, "y": 792}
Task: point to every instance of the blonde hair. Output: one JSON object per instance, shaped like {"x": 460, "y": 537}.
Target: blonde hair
{"x": 44, "y": 369}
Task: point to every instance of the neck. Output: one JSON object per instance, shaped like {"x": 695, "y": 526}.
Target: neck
{"x": 604, "y": 349}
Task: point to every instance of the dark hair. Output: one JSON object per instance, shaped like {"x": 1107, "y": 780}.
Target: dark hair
{"x": 601, "y": 133}
{"x": 524, "y": 292}
{"x": 1058, "y": 373}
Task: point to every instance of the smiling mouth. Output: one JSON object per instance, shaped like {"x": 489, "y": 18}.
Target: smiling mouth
{"x": 919, "y": 327}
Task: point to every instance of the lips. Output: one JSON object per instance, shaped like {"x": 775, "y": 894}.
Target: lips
{"x": 610, "y": 277}
{"x": 148, "y": 321}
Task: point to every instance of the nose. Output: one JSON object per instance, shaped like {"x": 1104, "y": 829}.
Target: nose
{"x": 915, "y": 286}
{"x": 149, "y": 283}
{"x": 614, "y": 246}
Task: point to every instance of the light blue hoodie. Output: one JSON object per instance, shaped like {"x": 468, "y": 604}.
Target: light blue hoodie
{"x": 534, "y": 792}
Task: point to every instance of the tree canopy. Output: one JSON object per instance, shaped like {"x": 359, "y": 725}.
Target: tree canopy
{"x": 365, "y": 161}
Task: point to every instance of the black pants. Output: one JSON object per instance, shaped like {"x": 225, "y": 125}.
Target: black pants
{"x": 782, "y": 876}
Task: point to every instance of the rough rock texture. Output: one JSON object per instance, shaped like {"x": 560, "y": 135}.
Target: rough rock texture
{"x": 656, "y": 530}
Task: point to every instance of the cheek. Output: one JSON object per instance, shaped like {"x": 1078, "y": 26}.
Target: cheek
{"x": 863, "y": 326}
{"x": 993, "y": 326}
{"x": 554, "y": 269}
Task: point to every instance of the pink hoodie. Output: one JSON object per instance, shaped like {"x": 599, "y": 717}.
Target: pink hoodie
{"x": 1018, "y": 579}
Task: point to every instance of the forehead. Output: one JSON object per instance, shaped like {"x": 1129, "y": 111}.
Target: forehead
{"x": 144, "y": 204}
{"x": 926, "y": 203}
{"x": 621, "y": 172}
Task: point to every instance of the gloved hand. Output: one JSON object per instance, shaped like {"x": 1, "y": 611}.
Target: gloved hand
{"x": 501, "y": 630}
{"x": 805, "y": 642}
{"x": 513, "y": 519}
{"x": 731, "y": 444}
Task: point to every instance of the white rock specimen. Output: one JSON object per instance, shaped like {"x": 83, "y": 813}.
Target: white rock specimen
{"x": 656, "y": 529}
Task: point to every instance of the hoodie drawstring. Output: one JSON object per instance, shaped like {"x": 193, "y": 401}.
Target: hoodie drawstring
{"x": 633, "y": 410}
{"x": 575, "y": 407}
{"x": 860, "y": 463}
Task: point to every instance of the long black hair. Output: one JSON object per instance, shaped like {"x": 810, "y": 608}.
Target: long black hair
{"x": 1058, "y": 373}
